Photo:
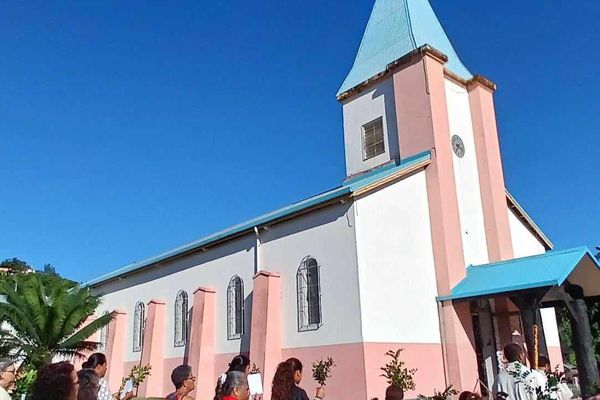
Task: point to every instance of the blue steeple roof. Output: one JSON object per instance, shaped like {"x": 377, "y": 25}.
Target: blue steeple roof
{"x": 395, "y": 28}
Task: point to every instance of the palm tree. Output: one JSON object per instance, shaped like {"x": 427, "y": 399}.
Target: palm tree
{"x": 43, "y": 316}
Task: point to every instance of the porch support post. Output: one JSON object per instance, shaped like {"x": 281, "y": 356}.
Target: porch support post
{"x": 486, "y": 335}
{"x": 582, "y": 340}
{"x": 529, "y": 306}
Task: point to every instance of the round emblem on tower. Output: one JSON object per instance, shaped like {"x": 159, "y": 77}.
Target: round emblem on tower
{"x": 458, "y": 146}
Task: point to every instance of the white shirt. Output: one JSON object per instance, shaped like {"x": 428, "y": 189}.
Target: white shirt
{"x": 518, "y": 382}
{"x": 4, "y": 394}
{"x": 103, "y": 391}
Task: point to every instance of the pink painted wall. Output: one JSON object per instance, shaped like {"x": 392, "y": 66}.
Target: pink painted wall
{"x": 422, "y": 113}
{"x": 425, "y": 357}
{"x": 202, "y": 341}
{"x": 491, "y": 176}
{"x": 265, "y": 340}
{"x": 556, "y": 358}
{"x": 115, "y": 349}
{"x": 169, "y": 364}
{"x": 154, "y": 348}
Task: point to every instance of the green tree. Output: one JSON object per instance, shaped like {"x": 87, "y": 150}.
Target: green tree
{"x": 14, "y": 265}
{"x": 47, "y": 315}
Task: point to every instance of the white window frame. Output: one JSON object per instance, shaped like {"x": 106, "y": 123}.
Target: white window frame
{"x": 139, "y": 326}
{"x": 181, "y": 320}
{"x": 307, "y": 320}
{"x": 235, "y": 308}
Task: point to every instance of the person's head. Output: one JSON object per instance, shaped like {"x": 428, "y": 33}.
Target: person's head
{"x": 296, "y": 369}
{"x": 182, "y": 378}
{"x": 98, "y": 363}
{"x": 544, "y": 363}
{"x": 513, "y": 352}
{"x": 469, "y": 396}
{"x": 236, "y": 385}
{"x": 283, "y": 382}
{"x": 89, "y": 383}
{"x": 57, "y": 381}
{"x": 7, "y": 372}
{"x": 240, "y": 363}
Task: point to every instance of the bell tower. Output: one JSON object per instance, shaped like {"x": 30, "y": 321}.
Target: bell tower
{"x": 408, "y": 92}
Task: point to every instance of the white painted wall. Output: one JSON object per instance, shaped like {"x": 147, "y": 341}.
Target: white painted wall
{"x": 523, "y": 241}
{"x": 467, "y": 177}
{"x": 550, "y": 326}
{"x": 328, "y": 236}
{"x": 377, "y": 101}
{"x": 396, "y": 267}
{"x": 212, "y": 269}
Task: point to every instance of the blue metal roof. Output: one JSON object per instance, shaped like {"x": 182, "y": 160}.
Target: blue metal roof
{"x": 395, "y": 28}
{"x": 548, "y": 269}
{"x": 346, "y": 189}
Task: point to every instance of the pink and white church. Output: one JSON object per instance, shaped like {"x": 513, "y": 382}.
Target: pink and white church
{"x": 421, "y": 247}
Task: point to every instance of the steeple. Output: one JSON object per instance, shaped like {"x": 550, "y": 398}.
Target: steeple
{"x": 395, "y": 28}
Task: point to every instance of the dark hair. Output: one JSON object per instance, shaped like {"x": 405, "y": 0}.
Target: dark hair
{"x": 238, "y": 363}
{"x": 54, "y": 382}
{"x": 88, "y": 385}
{"x": 466, "y": 395}
{"x": 512, "y": 352}
{"x": 94, "y": 361}
{"x": 233, "y": 380}
{"x": 283, "y": 381}
{"x": 180, "y": 374}
{"x": 295, "y": 364}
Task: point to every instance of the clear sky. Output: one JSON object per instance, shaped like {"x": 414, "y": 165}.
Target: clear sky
{"x": 129, "y": 128}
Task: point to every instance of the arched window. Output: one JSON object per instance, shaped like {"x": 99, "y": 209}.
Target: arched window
{"x": 235, "y": 308}
{"x": 103, "y": 335}
{"x": 181, "y": 319}
{"x": 139, "y": 320}
{"x": 309, "y": 295}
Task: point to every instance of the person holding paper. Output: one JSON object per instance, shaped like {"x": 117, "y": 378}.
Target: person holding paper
{"x": 235, "y": 387}
{"x": 239, "y": 363}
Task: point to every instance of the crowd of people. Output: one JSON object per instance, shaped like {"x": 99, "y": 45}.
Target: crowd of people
{"x": 60, "y": 381}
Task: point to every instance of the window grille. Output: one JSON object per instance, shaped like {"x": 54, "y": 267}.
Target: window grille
{"x": 181, "y": 319}
{"x": 139, "y": 322}
{"x": 235, "y": 308}
{"x": 309, "y": 295}
{"x": 372, "y": 139}
{"x": 103, "y": 335}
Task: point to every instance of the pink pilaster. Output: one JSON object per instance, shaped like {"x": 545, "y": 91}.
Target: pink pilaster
{"x": 202, "y": 342}
{"x": 153, "y": 349}
{"x": 115, "y": 349}
{"x": 265, "y": 341}
{"x": 489, "y": 164}
{"x": 422, "y": 115}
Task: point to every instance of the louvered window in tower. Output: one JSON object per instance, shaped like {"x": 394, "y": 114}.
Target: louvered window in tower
{"x": 309, "y": 295}
{"x": 139, "y": 320}
{"x": 235, "y": 308}
{"x": 372, "y": 139}
{"x": 181, "y": 319}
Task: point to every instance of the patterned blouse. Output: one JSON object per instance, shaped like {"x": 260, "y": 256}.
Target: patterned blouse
{"x": 104, "y": 391}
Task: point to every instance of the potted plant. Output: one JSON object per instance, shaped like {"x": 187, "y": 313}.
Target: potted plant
{"x": 398, "y": 376}
{"x": 445, "y": 395}
{"x": 136, "y": 376}
{"x": 322, "y": 370}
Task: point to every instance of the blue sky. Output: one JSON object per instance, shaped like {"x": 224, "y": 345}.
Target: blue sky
{"x": 131, "y": 128}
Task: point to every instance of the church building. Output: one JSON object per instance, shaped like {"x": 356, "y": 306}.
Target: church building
{"x": 420, "y": 247}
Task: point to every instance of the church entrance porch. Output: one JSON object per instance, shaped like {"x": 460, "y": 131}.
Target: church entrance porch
{"x": 507, "y": 300}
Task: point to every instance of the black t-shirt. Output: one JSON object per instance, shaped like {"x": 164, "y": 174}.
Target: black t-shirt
{"x": 299, "y": 394}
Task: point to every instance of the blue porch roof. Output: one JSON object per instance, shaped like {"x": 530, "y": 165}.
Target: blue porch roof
{"x": 346, "y": 189}
{"x": 544, "y": 270}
